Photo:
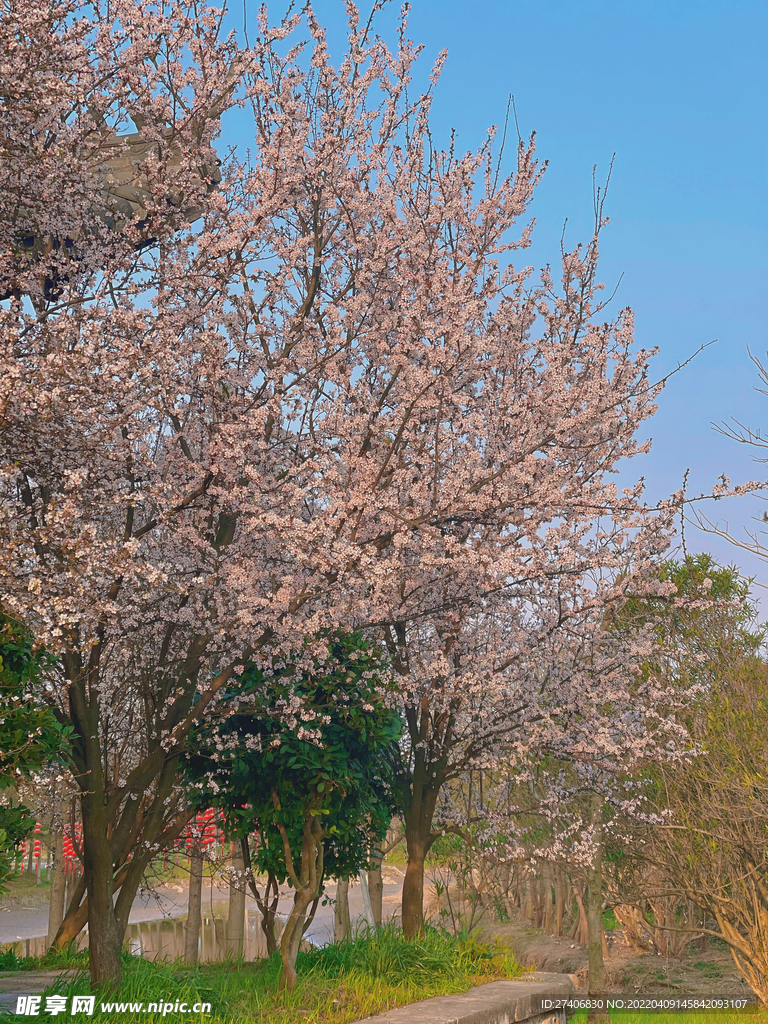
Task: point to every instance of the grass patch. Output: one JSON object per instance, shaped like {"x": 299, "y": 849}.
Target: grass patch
{"x": 54, "y": 959}
{"x": 20, "y": 885}
{"x": 337, "y": 984}
{"x": 609, "y": 920}
{"x": 709, "y": 970}
{"x": 751, "y": 1014}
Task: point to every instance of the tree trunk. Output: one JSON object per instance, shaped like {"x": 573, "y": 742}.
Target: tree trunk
{"x": 76, "y": 916}
{"x": 559, "y": 901}
{"x": 268, "y": 903}
{"x": 580, "y": 930}
{"x": 310, "y": 916}
{"x": 104, "y": 939}
{"x": 546, "y": 877}
{"x": 594, "y": 901}
{"x": 58, "y": 885}
{"x": 341, "y": 911}
{"x": 290, "y": 942}
{"x": 413, "y": 889}
{"x": 365, "y": 893}
{"x": 236, "y": 918}
{"x": 528, "y": 900}
{"x": 420, "y": 787}
{"x": 109, "y": 872}
{"x": 594, "y": 907}
{"x": 307, "y": 886}
{"x": 194, "y": 904}
{"x": 268, "y": 909}
{"x": 376, "y": 889}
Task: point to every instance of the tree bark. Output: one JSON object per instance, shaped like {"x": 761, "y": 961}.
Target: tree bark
{"x": 546, "y": 878}
{"x": 267, "y": 904}
{"x": 376, "y": 889}
{"x": 194, "y": 904}
{"x": 290, "y": 942}
{"x": 341, "y": 911}
{"x": 420, "y": 800}
{"x": 559, "y": 901}
{"x": 365, "y": 893}
{"x": 307, "y": 885}
{"x": 104, "y": 939}
{"x": 124, "y": 824}
{"x": 268, "y": 910}
{"x": 76, "y": 916}
{"x": 528, "y": 904}
{"x": 580, "y": 930}
{"x": 413, "y": 889}
{"x": 58, "y": 886}
{"x": 594, "y": 902}
{"x": 236, "y": 918}
{"x": 420, "y": 780}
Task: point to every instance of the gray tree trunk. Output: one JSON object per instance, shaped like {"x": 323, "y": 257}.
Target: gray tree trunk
{"x": 367, "y": 908}
{"x": 376, "y": 889}
{"x": 58, "y": 885}
{"x": 528, "y": 909}
{"x": 236, "y": 919}
{"x": 546, "y": 878}
{"x": 594, "y": 900}
{"x": 341, "y": 911}
{"x": 194, "y": 904}
{"x": 559, "y": 901}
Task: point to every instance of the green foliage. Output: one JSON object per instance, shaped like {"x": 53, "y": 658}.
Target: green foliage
{"x": 706, "y": 594}
{"x": 732, "y": 770}
{"x": 331, "y": 758}
{"x": 10, "y": 962}
{"x": 446, "y": 848}
{"x": 16, "y": 823}
{"x": 30, "y": 735}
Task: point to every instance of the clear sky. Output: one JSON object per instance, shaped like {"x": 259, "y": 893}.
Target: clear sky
{"x": 677, "y": 89}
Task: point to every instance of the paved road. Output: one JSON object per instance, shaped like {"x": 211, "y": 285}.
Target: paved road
{"x": 171, "y": 902}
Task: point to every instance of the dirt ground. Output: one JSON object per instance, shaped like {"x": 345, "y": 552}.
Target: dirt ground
{"x": 25, "y": 894}
{"x": 695, "y": 973}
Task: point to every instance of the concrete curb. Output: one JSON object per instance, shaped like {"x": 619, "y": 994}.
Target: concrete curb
{"x": 23, "y": 983}
{"x": 498, "y": 1002}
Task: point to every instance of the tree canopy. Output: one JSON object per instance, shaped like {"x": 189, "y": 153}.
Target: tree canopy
{"x": 319, "y": 741}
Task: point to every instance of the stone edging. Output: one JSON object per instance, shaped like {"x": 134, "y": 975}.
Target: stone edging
{"x": 497, "y": 1002}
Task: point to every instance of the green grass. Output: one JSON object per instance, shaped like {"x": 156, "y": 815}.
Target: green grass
{"x": 53, "y": 960}
{"x": 752, "y": 1015}
{"x": 337, "y": 984}
{"x": 18, "y": 885}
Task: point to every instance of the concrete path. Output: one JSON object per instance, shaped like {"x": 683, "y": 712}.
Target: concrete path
{"x": 498, "y": 1002}
{"x": 24, "y": 983}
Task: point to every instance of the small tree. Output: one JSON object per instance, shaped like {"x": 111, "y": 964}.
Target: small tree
{"x": 307, "y": 762}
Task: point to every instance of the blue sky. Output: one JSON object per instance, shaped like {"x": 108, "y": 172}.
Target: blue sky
{"x": 677, "y": 90}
